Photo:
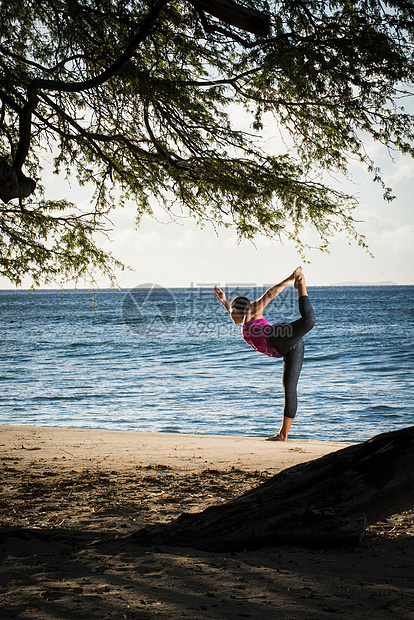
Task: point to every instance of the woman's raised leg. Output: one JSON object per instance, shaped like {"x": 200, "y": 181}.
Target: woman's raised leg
{"x": 286, "y": 335}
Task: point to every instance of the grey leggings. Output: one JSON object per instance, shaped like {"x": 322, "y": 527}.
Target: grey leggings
{"x": 287, "y": 339}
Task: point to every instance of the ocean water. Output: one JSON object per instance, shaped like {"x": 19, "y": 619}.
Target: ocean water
{"x": 153, "y": 359}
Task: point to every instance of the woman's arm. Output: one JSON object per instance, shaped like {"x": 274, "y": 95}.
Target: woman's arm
{"x": 257, "y": 307}
{"x": 220, "y": 295}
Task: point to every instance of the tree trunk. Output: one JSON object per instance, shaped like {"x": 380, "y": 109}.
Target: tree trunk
{"x": 328, "y": 501}
{"x": 13, "y": 184}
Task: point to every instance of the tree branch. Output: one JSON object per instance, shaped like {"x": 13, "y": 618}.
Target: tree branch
{"x": 154, "y": 140}
{"x": 31, "y": 63}
{"x": 234, "y": 14}
{"x": 10, "y": 102}
{"x": 77, "y": 87}
{"x": 230, "y": 81}
{"x": 13, "y": 183}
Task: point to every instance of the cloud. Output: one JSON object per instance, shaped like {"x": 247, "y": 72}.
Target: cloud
{"x": 398, "y": 239}
{"x": 402, "y": 170}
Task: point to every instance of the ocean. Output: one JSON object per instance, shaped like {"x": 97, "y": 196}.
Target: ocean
{"x": 170, "y": 360}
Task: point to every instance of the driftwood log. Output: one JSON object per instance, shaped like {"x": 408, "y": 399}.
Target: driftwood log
{"x": 328, "y": 501}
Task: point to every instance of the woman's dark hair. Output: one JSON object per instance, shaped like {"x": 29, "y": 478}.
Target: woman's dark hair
{"x": 240, "y": 303}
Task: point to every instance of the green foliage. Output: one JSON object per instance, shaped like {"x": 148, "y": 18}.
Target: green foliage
{"x": 158, "y": 124}
{"x": 51, "y": 241}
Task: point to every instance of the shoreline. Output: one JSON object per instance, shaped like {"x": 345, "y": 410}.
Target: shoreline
{"x": 78, "y": 447}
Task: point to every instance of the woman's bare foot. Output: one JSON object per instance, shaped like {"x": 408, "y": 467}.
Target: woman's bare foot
{"x": 282, "y": 435}
{"x": 300, "y": 283}
{"x": 298, "y": 273}
{"x": 277, "y": 437}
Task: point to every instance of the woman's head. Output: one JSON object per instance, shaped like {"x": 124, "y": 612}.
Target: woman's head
{"x": 237, "y": 308}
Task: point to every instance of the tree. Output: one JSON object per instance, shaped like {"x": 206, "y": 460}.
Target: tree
{"x": 135, "y": 98}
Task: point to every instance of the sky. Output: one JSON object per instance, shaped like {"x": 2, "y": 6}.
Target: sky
{"x": 180, "y": 254}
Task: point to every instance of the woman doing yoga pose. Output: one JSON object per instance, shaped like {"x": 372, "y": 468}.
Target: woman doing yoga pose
{"x": 278, "y": 340}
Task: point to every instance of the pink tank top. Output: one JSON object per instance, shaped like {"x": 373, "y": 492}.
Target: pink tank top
{"x": 256, "y": 333}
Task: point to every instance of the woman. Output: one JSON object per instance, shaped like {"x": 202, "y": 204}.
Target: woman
{"x": 278, "y": 340}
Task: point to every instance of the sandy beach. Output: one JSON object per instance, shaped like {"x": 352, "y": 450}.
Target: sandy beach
{"x": 87, "y": 489}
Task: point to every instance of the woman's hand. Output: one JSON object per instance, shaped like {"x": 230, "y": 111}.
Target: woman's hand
{"x": 219, "y": 294}
{"x": 221, "y": 297}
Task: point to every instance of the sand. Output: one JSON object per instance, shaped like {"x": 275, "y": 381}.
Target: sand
{"x": 89, "y": 488}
